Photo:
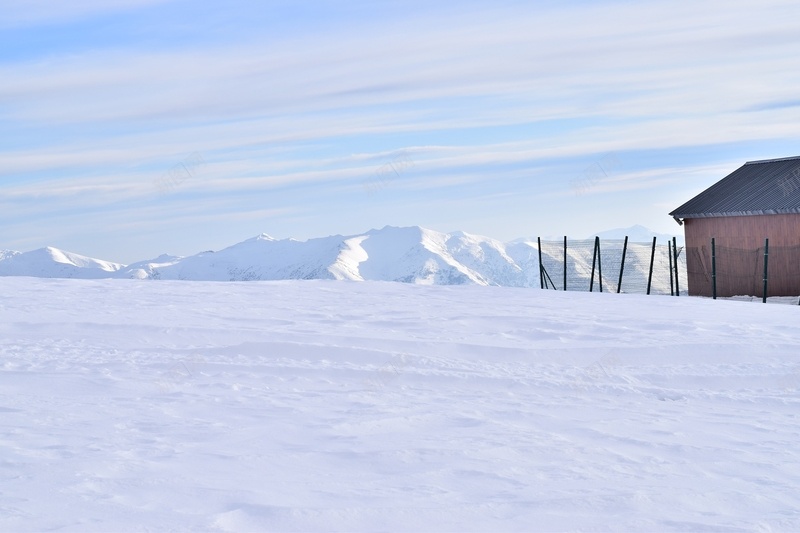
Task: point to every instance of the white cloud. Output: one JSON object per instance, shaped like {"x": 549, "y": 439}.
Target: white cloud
{"x": 488, "y": 94}
{"x": 601, "y": 54}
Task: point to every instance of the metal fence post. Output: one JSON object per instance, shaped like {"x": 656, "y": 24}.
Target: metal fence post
{"x": 599, "y": 263}
{"x": 713, "y": 269}
{"x": 541, "y": 267}
{"x": 622, "y": 264}
{"x": 652, "y": 259}
{"x": 675, "y": 251}
{"x": 766, "y": 256}
{"x": 565, "y": 262}
{"x": 594, "y": 261}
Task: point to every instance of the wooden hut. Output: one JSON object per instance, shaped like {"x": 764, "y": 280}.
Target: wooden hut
{"x": 756, "y": 202}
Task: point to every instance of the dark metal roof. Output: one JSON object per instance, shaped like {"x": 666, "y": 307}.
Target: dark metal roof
{"x": 768, "y": 187}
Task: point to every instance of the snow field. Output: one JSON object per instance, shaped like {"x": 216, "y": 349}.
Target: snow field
{"x": 337, "y": 406}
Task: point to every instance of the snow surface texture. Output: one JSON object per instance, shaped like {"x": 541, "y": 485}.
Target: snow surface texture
{"x": 410, "y": 255}
{"x": 336, "y": 406}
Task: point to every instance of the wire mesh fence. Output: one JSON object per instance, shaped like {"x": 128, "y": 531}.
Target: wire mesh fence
{"x": 612, "y": 266}
{"x": 727, "y": 271}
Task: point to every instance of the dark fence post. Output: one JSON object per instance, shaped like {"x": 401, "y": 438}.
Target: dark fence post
{"x": 599, "y": 263}
{"x": 669, "y": 256}
{"x": 766, "y": 255}
{"x": 548, "y": 278}
{"x": 713, "y": 269}
{"x": 541, "y": 267}
{"x": 675, "y": 251}
{"x": 565, "y": 262}
{"x": 594, "y": 261}
{"x": 652, "y": 258}
{"x": 622, "y": 264}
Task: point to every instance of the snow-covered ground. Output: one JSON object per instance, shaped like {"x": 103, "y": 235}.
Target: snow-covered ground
{"x": 132, "y": 405}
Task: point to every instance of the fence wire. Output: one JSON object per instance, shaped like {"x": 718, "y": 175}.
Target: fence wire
{"x": 737, "y": 270}
{"x": 608, "y": 264}
{"x": 740, "y": 272}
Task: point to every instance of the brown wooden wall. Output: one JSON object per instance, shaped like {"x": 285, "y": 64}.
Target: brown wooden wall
{"x": 742, "y": 272}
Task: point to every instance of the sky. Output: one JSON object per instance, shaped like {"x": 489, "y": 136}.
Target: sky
{"x": 134, "y": 128}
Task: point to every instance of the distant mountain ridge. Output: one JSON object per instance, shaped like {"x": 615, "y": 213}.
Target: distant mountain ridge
{"x": 638, "y": 233}
{"x": 54, "y": 263}
{"x": 405, "y": 254}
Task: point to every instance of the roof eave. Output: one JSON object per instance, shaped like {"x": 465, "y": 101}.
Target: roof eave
{"x": 789, "y": 211}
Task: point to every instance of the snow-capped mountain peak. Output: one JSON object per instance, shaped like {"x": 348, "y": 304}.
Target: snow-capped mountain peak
{"x": 50, "y": 262}
{"x": 408, "y": 254}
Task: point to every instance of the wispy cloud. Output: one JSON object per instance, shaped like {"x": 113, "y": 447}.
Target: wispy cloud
{"x": 489, "y": 100}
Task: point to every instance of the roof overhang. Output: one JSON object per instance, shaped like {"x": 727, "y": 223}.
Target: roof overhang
{"x": 681, "y": 216}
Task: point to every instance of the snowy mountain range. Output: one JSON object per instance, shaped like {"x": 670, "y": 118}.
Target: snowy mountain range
{"x": 408, "y": 254}
{"x": 638, "y": 233}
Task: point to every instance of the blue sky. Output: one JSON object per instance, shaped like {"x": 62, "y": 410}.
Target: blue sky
{"x": 139, "y": 127}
